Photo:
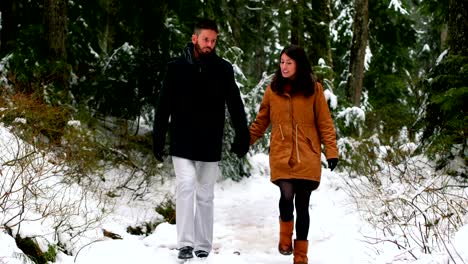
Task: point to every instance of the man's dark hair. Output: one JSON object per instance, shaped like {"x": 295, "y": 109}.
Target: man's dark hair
{"x": 205, "y": 23}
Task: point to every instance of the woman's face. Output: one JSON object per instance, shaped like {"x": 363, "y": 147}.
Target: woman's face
{"x": 287, "y": 66}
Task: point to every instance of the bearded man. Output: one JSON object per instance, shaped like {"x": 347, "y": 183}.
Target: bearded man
{"x": 197, "y": 88}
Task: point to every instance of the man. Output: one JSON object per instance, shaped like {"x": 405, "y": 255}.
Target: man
{"x": 196, "y": 90}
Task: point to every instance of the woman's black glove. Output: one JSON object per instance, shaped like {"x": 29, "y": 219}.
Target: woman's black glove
{"x": 332, "y": 163}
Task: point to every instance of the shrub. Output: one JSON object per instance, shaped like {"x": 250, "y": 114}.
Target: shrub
{"x": 34, "y": 119}
{"x": 167, "y": 209}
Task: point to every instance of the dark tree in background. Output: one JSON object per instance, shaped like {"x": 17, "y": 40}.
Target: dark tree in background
{"x": 8, "y": 34}
{"x": 297, "y": 22}
{"x": 55, "y": 16}
{"x": 56, "y": 30}
{"x": 445, "y": 121}
{"x": 108, "y": 57}
{"x": 358, "y": 51}
{"x": 392, "y": 42}
{"x": 458, "y": 27}
{"x": 317, "y": 30}
{"x": 109, "y": 25}
{"x": 309, "y": 28}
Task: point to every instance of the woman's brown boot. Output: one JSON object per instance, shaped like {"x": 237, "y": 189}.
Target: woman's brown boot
{"x": 300, "y": 251}
{"x": 285, "y": 237}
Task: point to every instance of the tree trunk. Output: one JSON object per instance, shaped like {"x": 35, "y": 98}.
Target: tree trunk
{"x": 318, "y": 20}
{"x": 234, "y": 18}
{"x": 458, "y": 27}
{"x": 56, "y": 28}
{"x": 9, "y": 26}
{"x": 106, "y": 41}
{"x": 358, "y": 51}
{"x": 259, "y": 64}
{"x": 297, "y": 22}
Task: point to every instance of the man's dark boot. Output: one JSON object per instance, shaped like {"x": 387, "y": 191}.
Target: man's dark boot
{"x": 201, "y": 253}
{"x": 186, "y": 252}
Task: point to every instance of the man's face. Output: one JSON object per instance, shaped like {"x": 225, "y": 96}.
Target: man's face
{"x": 204, "y": 42}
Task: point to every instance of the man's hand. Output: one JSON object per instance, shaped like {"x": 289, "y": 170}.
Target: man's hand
{"x": 332, "y": 163}
{"x": 239, "y": 149}
{"x": 159, "y": 155}
{"x": 241, "y": 144}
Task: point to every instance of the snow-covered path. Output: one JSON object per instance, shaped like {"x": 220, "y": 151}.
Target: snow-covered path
{"x": 247, "y": 222}
{"x": 245, "y": 231}
{"x": 246, "y": 228}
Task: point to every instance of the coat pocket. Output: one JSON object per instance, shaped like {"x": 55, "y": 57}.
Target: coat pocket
{"x": 312, "y": 138}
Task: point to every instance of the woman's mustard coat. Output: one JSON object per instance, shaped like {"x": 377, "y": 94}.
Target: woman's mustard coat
{"x": 300, "y": 125}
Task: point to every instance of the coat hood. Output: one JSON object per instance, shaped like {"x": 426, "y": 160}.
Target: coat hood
{"x": 188, "y": 53}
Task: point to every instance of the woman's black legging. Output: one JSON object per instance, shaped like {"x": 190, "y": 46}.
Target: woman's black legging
{"x": 296, "y": 192}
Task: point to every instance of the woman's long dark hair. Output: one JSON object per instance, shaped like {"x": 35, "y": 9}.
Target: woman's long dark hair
{"x": 303, "y": 82}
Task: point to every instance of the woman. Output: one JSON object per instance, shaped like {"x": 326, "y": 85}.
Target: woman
{"x": 295, "y": 106}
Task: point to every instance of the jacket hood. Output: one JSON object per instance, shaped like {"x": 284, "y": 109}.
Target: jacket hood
{"x": 188, "y": 53}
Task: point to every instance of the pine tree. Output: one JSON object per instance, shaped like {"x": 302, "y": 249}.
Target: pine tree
{"x": 446, "y": 119}
{"x": 392, "y": 39}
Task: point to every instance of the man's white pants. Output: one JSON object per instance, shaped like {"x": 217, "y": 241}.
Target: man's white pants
{"x": 195, "y": 182}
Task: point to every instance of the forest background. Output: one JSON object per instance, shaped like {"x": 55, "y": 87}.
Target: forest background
{"x": 395, "y": 73}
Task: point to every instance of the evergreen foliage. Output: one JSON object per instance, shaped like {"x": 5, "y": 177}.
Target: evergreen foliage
{"x": 94, "y": 107}
{"x": 392, "y": 39}
{"x": 446, "y": 119}
{"x": 117, "y": 52}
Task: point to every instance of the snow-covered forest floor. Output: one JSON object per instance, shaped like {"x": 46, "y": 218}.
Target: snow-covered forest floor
{"x": 420, "y": 218}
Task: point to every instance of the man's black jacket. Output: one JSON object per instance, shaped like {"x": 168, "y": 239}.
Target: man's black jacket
{"x": 191, "y": 106}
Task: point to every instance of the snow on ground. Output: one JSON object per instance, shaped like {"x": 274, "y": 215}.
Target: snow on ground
{"x": 245, "y": 230}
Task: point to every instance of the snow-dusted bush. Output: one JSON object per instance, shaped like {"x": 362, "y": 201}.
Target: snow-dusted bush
{"x": 231, "y": 166}
{"x": 410, "y": 205}
{"x": 40, "y": 197}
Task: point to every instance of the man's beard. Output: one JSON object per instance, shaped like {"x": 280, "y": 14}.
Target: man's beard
{"x": 203, "y": 53}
